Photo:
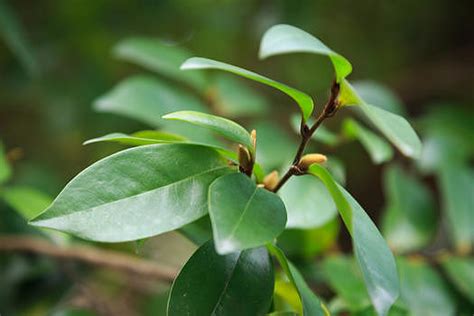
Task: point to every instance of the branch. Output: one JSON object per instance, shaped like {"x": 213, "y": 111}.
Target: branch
{"x": 94, "y": 256}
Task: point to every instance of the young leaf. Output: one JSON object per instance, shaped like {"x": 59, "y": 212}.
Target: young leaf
{"x": 160, "y": 57}
{"x": 304, "y": 101}
{"x": 138, "y": 138}
{"x": 299, "y": 195}
{"x": 225, "y": 127}
{"x": 375, "y": 93}
{"x": 242, "y": 215}
{"x": 461, "y": 272}
{"x": 284, "y": 39}
{"x": 393, "y": 126}
{"x": 310, "y": 304}
{"x": 239, "y": 283}
{"x": 146, "y": 99}
{"x": 372, "y": 253}
{"x": 136, "y": 193}
{"x": 409, "y": 220}
{"x": 5, "y": 170}
{"x": 26, "y": 201}
{"x": 377, "y": 148}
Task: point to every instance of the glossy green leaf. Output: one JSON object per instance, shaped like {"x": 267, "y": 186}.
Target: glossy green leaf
{"x": 240, "y": 283}
{"x": 223, "y": 126}
{"x": 25, "y": 200}
{"x": 138, "y": 138}
{"x": 409, "y": 220}
{"x": 393, "y": 126}
{"x": 378, "y": 94}
{"x": 243, "y": 215}
{"x": 284, "y": 39}
{"x": 146, "y": 99}
{"x": 304, "y": 101}
{"x": 423, "y": 291}
{"x": 379, "y": 150}
{"x": 231, "y": 97}
{"x": 310, "y": 304}
{"x": 345, "y": 279}
{"x": 461, "y": 272}
{"x": 160, "y": 57}
{"x": 371, "y": 251}
{"x": 308, "y": 203}
{"x": 136, "y": 193}
{"x": 457, "y": 196}
{"x": 5, "y": 169}
{"x": 199, "y": 231}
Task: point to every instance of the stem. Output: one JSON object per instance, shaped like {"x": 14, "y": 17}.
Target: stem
{"x": 306, "y": 133}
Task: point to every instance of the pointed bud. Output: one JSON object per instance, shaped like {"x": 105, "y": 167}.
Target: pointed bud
{"x": 271, "y": 180}
{"x": 253, "y": 136}
{"x": 245, "y": 160}
{"x": 309, "y": 159}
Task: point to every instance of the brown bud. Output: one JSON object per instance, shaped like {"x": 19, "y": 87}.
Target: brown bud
{"x": 245, "y": 160}
{"x": 253, "y": 135}
{"x": 271, "y": 180}
{"x": 309, "y": 159}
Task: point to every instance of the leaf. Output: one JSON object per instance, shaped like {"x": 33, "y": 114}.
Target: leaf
{"x": 224, "y": 127}
{"x": 322, "y": 135}
{"x": 243, "y": 215}
{"x": 284, "y": 39}
{"x": 423, "y": 291}
{"x": 378, "y": 149}
{"x": 393, "y": 126}
{"x": 409, "y": 220}
{"x": 457, "y": 197}
{"x": 199, "y": 231}
{"x": 160, "y": 57}
{"x": 461, "y": 272}
{"x": 308, "y": 203}
{"x": 146, "y": 99}
{"x": 240, "y": 283}
{"x": 310, "y": 304}
{"x": 138, "y": 139}
{"x": 5, "y": 169}
{"x": 136, "y": 193}
{"x": 25, "y": 200}
{"x": 375, "y": 93}
{"x": 230, "y": 97}
{"x": 304, "y": 101}
{"x": 372, "y": 253}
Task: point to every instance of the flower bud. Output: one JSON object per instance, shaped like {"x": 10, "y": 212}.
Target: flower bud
{"x": 245, "y": 160}
{"x": 271, "y": 180}
{"x": 309, "y": 159}
{"x": 253, "y": 136}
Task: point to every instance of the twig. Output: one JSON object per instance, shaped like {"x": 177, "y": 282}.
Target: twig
{"x": 94, "y": 256}
{"x": 306, "y": 133}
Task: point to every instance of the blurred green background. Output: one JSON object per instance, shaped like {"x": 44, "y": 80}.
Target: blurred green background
{"x": 56, "y": 59}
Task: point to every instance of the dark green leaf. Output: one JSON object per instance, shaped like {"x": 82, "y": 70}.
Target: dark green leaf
{"x": 146, "y": 99}
{"x": 284, "y": 39}
{"x": 310, "y": 304}
{"x": 243, "y": 215}
{"x": 409, "y": 220}
{"x": 304, "y": 101}
{"x": 136, "y": 193}
{"x": 224, "y": 127}
{"x": 379, "y": 150}
{"x": 240, "y": 283}
{"x": 5, "y": 170}
{"x": 372, "y": 253}
{"x": 159, "y": 56}
{"x": 461, "y": 272}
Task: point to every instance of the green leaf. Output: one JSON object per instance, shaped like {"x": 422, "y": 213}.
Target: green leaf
{"x": 5, "y": 169}
{"x": 423, "y": 291}
{"x": 230, "y": 97}
{"x": 461, "y": 272}
{"x": 243, "y": 215}
{"x": 372, "y": 253}
{"x": 379, "y": 150}
{"x": 199, "y": 231}
{"x": 146, "y": 99}
{"x": 138, "y": 139}
{"x": 304, "y": 101}
{"x": 240, "y": 283}
{"x": 345, "y": 279}
{"x": 393, "y": 126}
{"x": 224, "y": 127}
{"x": 160, "y": 57}
{"x": 409, "y": 220}
{"x": 25, "y": 200}
{"x": 457, "y": 196}
{"x": 308, "y": 203}
{"x": 375, "y": 93}
{"x": 310, "y": 304}
{"x": 136, "y": 193}
{"x": 284, "y": 39}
